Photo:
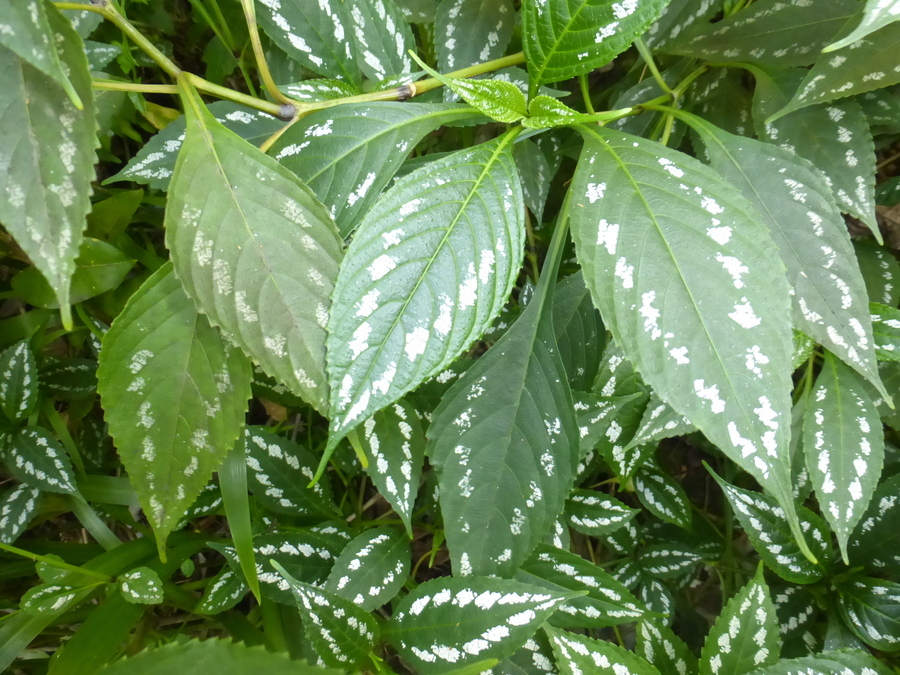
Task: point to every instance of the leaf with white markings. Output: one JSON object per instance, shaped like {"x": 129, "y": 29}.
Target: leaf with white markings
{"x": 877, "y": 14}
{"x": 829, "y": 295}
{"x": 657, "y": 597}
{"x": 847, "y": 662}
{"x": 608, "y": 602}
{"x": 577, "y": 654}
{"x": 154, "y": 163}
{"x": 659, "y": 421}
{"x": 467, "y": 32}
{"x": 599, "y": 420}
{"x": 17, "y": 507}
{"x": 868, "y": 64}
{"x": 449, "y": 623}
{"x": 745, "y": 636}
{"x": 835, "y": 138}
{"x": 278, "y": 472}
{"x": 340, "y": 632}
{"x": 69, "y": 379}
{"x": 348, "y": 154}
{"x": 255, "y": 249}
{"x": 565, "y": 38}
{"x": 871, "y": 608}
{"x": 394, "y": 442}
{"x": 18, "y": 381}
{"x": 174, "y": 393}
{"x": 596, "y": 513}
{"x": 876, "y": 541}
{"x": 668, "y": 560}
{"x": 797, "y": 612}
{"x": 678, "y": 17}
{"x": 766, "y": 33}
{"x": 383, "y": 38}
{"x": 405, "y": 303}
{"x": 47, "y": 597}
{"x": 844, "y": 446}
{"x": 662, "y": 495}
{"x": 224, "y": 591}
{"x": 768, "y": 531}
{"x": 46, "y": 167}
{"x": 141, "y": 586}
{"x": 881, "y": 272}
{"x": 666, "y": 651}
{"x": 316, "y": 34}
{"x": 579, "y": 329}
{"x": 701, "y": 333}
{"x": 37, "y": 459}
{"x": 372, "y": 568}
{"x": 886, "y": 331}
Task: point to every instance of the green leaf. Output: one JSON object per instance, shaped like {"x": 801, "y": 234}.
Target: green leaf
{"x": 372, "y": 568}
{"x": 678, "y": 17}
{"x": 37, "y": 459}
{"x": 18, "y": 381}
{"x": 764, "y": 523}
{"x": 877, "y": 14}
{"x": 886, "y": 331}
{"x": 394, "y": 442}
{"x": 383, "y": 38}
{"x": 876, "y": 541}
{"x": 668, "y": 560}
{"x": 659, "y": 421}
{"x": 47, "y": 597}
{"x": 154, "y": 163}
{"x": 224, "y": 591}
{"x": 449, "y": 623}
{"x": 341, "y": 632}
{"x": 17, "y": 507}
{"x": 880, "y": 270}
{"x": 348, "y": 154}
{"x": 141, "y": 586}
{"x": 429, "y": 268}
{"x": 745, "y": 635}
{"x": 174, "y": 393}
{"x": 844, "y": 445}
{"x": 318, "y": 90}
{"x": 666, "y": 651}
{"x": 871, "y": 608}
{"x": 596, "y": 513}
{"x": 834, "y": 138}
{"x": 69, "y": 379}
{"x": 565, "y": 38}
{"x": 255, "y": 249}
{"x": 828, "y": 663}
{"x": 46, "y": 167}
{"x": 467, "y": 32}
{"x": 797, "y": 612}
{"x": 534, "y": 172}
{"x": 829, "y": 296}
{"x": 701, "y": 333}
{"x": 662, "y": 495}
{"x": 577, "y": 654}
{"x": 317, "y": 35}
{"x": 222, "y": 657}
{"x": 768, "y": 32}
{"x": 580, "y": 333}
{"x": 279, "y": 472}
{"x": 868, "y": 64}
{"x": 608, "y": 602}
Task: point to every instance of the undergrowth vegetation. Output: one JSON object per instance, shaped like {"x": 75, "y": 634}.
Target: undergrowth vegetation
{"x": 450, "y": 336}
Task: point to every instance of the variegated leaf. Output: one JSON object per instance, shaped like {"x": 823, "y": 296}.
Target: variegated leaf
{"x": 596, "y": 513}
{"x": 18, "y": 381}
{"x": 577, "y": 654}
{"x": 372, "y": 568}
{"x": 17, "y": 507}
{"x": 467, "y": 32}
{"x": 662, "y": 495}
{"x": 871, "y": 608}
{"x": 382, "y": 36}
{"x": 224, "y": 591}
{"x": 876, "y": 541}
{"x": 141, "y": 586}
{"x": 666, "y": 651}
{"x": 668, "y": 560}
{"x": 37, "y": 459}
{"x": 886, "y": 331}
{"x": 659, "y": 421}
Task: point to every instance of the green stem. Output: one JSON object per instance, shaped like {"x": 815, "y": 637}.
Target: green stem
{"x": 651, "y": 64}
{"x": 207, "y": 87}
{"x": 53, "y": 562}
{"x": 261, "y": 65}
{"x": 112, "y": 85}
{"x": 585, "y": 93}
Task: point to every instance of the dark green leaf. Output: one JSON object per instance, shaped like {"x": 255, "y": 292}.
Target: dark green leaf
{"x": 876, "y": 541}
{"x": 871, "y": 608}
{"x": 17, "y": 507}
{"x": 828, "y": 663}
{"x": 18, "y": 381}
{"x": 881, "y": 272}
{"x": 224, "y": 591}
{"x": 596, "y": 513}
{"x": 662, "y": 495}
{"x": 37, "y": 459}
{"x": 579, "y": 330}
{"x": 142, "y": 586}
{"x": 878, "y": 13}
{"x": 668, "y": 560}
{"x": 665, "y": 650}
{"x": 577, "y": 654}
{"x": 467, "y": 32}
{"x": 659, "y": 421}
{"x": 886, "y": 331}
{"x": 69, "y": 379}
{"x": 372, "y": 568}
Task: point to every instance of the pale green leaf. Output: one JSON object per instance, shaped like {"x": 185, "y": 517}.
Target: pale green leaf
{"x": 383, "y": 38}
{"x": 37, "y": 459}
{"x": 713, "y": 340}
{"x": 886, "y": 331}
{"x": 372, "y": 568}
{"x": 141, "y": 586}
{"x": 658, "y": 645}
{"x": 174, "y": 392}
{"x": 877, "y": 14}
{"x": 662, "y": 495}
{"x": 565, "y": 38}
{"x": 871, "y": 608}
{"x": 429, "y": 268}
{"x": 596, "y": 513}
{"x": 745, "y": 635}
{"x": 17, "y": 507}
{"x": 255, "y": 249}
{"x": 448, "y": 623}
{"x": 467, "y": 32}
{"x": 47, "y": 158}
{"x": 844, "y": 445}
{"x": 348, "y": 154}
{"x": 577, "y": 654}
{"x": 224, "y": 591}
{"x": 845, "y": 662}
{"x": 18, "y": 381}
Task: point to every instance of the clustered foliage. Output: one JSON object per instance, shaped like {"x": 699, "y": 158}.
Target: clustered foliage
{"x": 454, "y": 336}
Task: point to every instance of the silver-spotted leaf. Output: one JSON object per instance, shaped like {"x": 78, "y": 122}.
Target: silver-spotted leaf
{"x": 829, "y": 295}
{"x": 662, "y": 495}
{"x": 565, "y": 38}
{"x": 881, "y": 272}
{"x": 596, "y": 513}
{"x": 18, "y": 381}
{"x": 745, "y": 635}
{"x": 224, "y": 591}
{"x": 348, "y": 154}
{"x": 886, "y": 331}
{"x": 48, "y": 597}
{"x": 678, "y": 18}
{"x": 142, "y": 586}
{"x": 174, "y": 392}
{"x": 876, "y": 541}
{"x": 712, "y": 339}
{"x": 36, "y": 458}
{"x": 372, "y": 568}
{"x": 844, "y": 445}
{"x": 668, "y": 560}
{"x": 383, "y": 38}
{"x": 871, "y": 608}
{"x": 877, "y": 13}
{"x": 46, "y": 166}
{"x": 577, "y": 654}
{"x": 797, "y": 612}
{"x": 255, "y": 249}
{"x": 17, "y": 507}
{"x": 69, "y": 379}
{"x": 659, "y": 421}
{"x": 844, "y": 662}
{"x": 447, "y": 623}
{"x": 429, "y": 268}
{"x": 467, "y": 32}
{"x": 658, "y": 645}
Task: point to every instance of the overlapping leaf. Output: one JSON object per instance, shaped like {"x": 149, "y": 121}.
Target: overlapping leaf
{"x": 665, "y": 650}
{"x": 372, "y": 568}
{"x": 430, "y": 267}
{"x": 255, "y": 249}
{"x": 579, "y": 331}
{"x": 877, "y": 13}
{"x": 713, "y": 340}
{"x": 17, "y": 507}
{"x": 224, "y": 591}
{"x": 596, "y": 513}
{"x": 828, "y": 663}
{"x": 886, "y": 331}
{"x": 577, "y": 654}
{"x": 18, "y": 381}
{"x": 659, "y": 421}
{"x": 880, "y": 271}
{"x": 876, "y": 541}
{"x": 662, "y": 495}
{"x": 678, "y": 17}
{"x": 871, "y": 608}
{"x": 844, "y": 445}
{"x": 467, "y": 32}
{"x": 668, "y": 560}
{"x": 382, "y": 36}
{"x": 37, "y": 459}
{"x": 564, "y": 38}
{"x": 174, "y": 392}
